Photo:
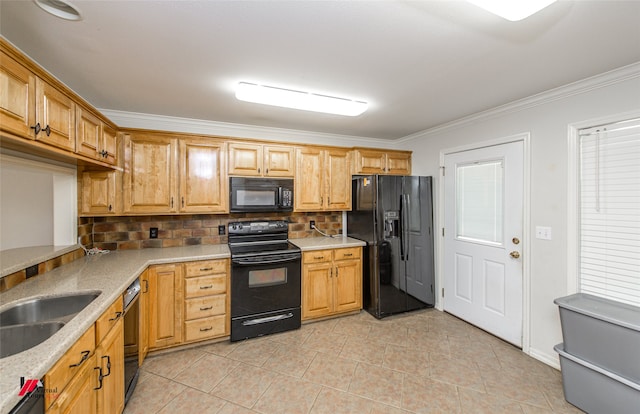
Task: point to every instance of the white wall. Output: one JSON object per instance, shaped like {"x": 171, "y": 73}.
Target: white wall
{"x": 546, "y": 117}
{"x": 37, "y": 203}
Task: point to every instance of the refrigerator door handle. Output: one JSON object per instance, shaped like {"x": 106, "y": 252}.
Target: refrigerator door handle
{"x": 406, "y": 205}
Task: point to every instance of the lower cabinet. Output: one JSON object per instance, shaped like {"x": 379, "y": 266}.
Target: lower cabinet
{"x": 331, "y": 282}
{"x": 189, "y": 302}
{"x": 89, "y": 378}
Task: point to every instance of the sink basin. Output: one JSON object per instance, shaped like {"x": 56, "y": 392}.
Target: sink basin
{"x": 58, "y": 308}
{"x": 18, "y": 338}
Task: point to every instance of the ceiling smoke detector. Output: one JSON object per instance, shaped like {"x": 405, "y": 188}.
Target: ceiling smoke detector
{"x": 60, "y": 8}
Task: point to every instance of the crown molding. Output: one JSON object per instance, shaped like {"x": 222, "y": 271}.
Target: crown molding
{"x": 575, "y": 88}
{"x": 199, "y": 126}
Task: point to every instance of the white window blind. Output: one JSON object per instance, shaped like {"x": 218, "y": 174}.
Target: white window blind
{"x": 609, "y": 258}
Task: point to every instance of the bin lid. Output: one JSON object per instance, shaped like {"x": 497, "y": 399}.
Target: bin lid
{"x": 608, "y": 310}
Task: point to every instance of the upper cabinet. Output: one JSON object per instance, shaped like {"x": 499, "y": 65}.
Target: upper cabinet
{"x": 372, "y": 161}
{"x": 39, "y": 114}
{"x": 257, "y": 160}
{"x": 94, "y": 138}
{"x": 150, "y": 174}
{"x": 203, "y": 176}
{"x": 323, "y": 179}
{"x": 18, "y": 97}
{"x": 153, "y": 183}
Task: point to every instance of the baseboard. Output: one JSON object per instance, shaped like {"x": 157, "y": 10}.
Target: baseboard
{"x": 550, "y": 359}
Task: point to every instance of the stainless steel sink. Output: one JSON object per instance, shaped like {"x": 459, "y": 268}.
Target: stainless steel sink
{"x": 18, "y": 338}
{"x": 57, "y": 308}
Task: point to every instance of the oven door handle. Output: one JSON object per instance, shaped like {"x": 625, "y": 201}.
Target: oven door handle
{"x": 267, "y": 319}
{"x": 261, "y": 262}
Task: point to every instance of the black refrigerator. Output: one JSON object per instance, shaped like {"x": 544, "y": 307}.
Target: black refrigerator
{"x": 394, "y": 216}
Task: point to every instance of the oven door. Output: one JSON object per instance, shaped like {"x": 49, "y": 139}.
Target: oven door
{"x": 267, "y": 283}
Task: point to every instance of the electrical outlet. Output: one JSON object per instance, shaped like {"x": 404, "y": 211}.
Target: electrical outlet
{"x": 221, "y": 230}
{"x": 312, "y": 224}
{"x": 153, "y": 233}
{"x": 31, "y": 271}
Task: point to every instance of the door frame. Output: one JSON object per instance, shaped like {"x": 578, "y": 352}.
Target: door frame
{"x": 525, "y": 138}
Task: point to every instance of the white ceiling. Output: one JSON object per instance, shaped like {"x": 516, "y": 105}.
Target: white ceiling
{"x": 418, "y": 64}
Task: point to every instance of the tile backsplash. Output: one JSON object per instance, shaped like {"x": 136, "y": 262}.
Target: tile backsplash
{"x": 132, "y": 232}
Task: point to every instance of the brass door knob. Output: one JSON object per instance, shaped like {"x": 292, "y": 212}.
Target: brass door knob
{"x": 514, "y": 254}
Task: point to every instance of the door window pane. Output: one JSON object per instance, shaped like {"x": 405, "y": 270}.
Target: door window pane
{"x": 479, "y": 201}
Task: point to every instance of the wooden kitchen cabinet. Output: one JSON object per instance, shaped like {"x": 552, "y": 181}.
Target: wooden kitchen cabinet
{"x": 258, "y": 160}
{"x": 371, "y": 161}
{"x": 165, "y": 307}
{"x": 331, "y": 282}
{"x": 80, "y": 396}
{"x": 206, "y": 299}
{"x": 94, "y": 138}
{"x": 110, "y": 360}
{"x": 75, "y": 360}
{"x": 55, "y": 112}
{"x": 18, "y": 102}
{"x": 99, "y": 193}
{"x": 150, "y": 178}
{"x": 323, "y": 179}
{"x": 203, "y": 176}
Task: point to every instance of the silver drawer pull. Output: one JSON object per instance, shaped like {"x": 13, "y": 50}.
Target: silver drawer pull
{"x": 206, "y": 287}
{"x": 207, "y": 308}
{"x": 206, "y": 329}
{"x": 206, "y": 269}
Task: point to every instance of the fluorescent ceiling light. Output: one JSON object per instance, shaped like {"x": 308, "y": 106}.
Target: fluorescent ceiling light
{"x": 513, "y": 10}
{"x": 287, "y": 98}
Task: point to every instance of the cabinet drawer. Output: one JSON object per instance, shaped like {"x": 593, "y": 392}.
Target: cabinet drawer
{"x": 204, "y": 328}
{"x": 69, "y": 365}
{"x": 79, "y": 396}
{"x": 317, "y": 256}
{"x": 346, "y": 254}
{"x": 204, "y": 307}
{"x": 205, "y": 267}
{"x": 205, "y": 286}
{"x": 108, "y": 319}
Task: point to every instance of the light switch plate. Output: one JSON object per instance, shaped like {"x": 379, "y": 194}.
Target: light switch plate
{"x": 543, "y": 233}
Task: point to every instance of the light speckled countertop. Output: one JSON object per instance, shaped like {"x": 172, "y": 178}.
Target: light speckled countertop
{"x": 110, "y": 273}
{"x": 13, "y": 260}
{"x": 319, "y": 243}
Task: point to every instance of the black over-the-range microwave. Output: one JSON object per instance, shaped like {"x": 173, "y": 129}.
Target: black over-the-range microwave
{"x": 260, "y": 194}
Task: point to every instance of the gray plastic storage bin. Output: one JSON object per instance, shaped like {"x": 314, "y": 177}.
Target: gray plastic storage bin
{"x": 603, "y": 332}
{"x": 595, "y": 390}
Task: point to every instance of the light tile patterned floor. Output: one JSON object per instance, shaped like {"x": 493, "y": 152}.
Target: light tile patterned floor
{"x": 421, "y": 362}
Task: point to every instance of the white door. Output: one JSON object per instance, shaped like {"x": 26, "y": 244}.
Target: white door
{"x": 482, "y": 242}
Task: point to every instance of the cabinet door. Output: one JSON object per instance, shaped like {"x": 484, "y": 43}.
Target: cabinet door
{"x": 338, "y": 171}
{"x": 279, "y": 161}
{"x": 370, "y": 162}
{"x": 109, "y": 145}
{"x": 18, "y": 98}
{"x": 245, "y": 159}
{"x": 88, "y": 134}
{"x": 56, "y": 113}
{"x": 98, "y": 193}
{"x": 165, "y": 308}
{"x": 309, "y": 189}
{"x": 143, "y": 337}
{"x": 203, "y": 184}
{"x": 150, "y": 174}
{"x": 399, "y": 163}
{"x": 110, "y": 358}
{"x": 79, "y": 397}
{"x": 317, "y": 290}
{"x": 348, "y": 285}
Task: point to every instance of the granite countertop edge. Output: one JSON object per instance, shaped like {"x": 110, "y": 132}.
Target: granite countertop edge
{"x": 109, "y": 273}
